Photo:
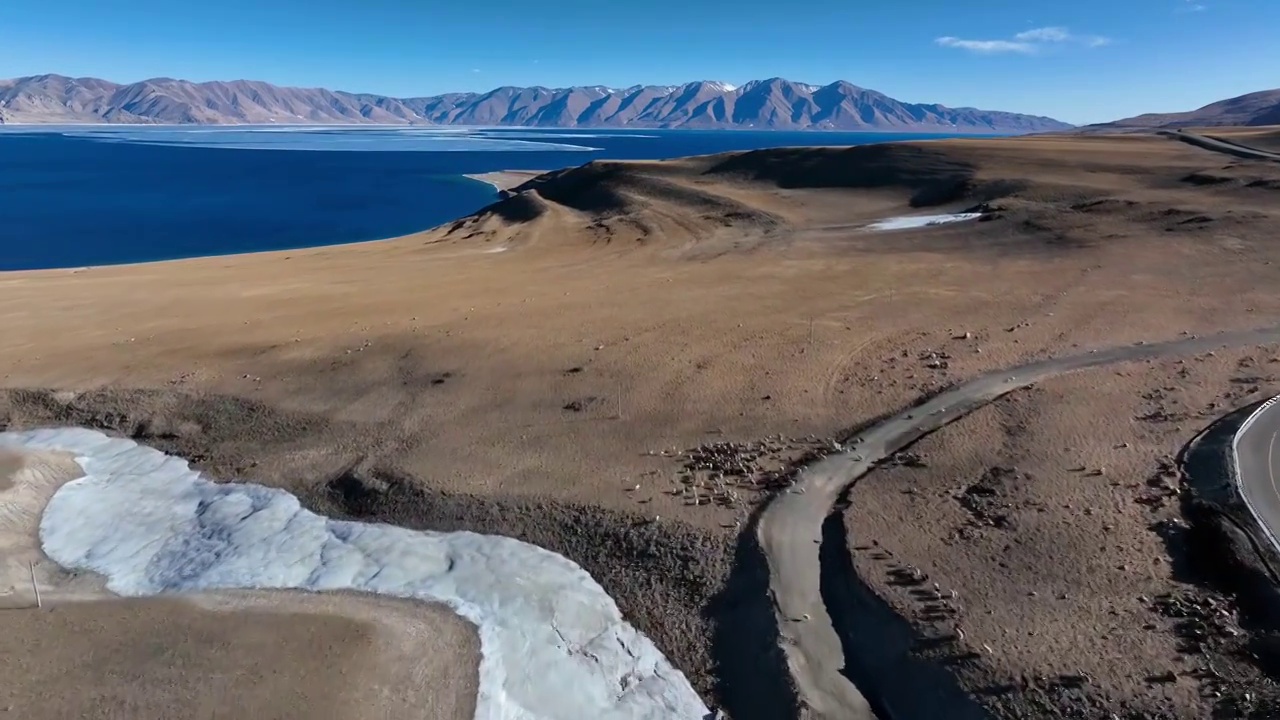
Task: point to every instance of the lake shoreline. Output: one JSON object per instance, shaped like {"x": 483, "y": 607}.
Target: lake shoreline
{"x": 501, "y": 180}
{"x": 136, "y": 199}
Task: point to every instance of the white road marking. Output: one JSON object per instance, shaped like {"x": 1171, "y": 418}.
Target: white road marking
{"x": 1271, "y": 471}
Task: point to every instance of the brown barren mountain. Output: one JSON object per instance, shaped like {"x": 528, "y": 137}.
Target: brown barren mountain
{"x": 1254, "y": 109}
{"x": 767, "y": 104}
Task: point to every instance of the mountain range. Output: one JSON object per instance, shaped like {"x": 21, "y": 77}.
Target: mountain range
{"x": 761, "y": 104}
{"x": 1252, "y": 110}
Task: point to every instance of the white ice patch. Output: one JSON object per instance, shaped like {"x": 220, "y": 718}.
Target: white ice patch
{"x": 918, "y": 221}
{"x": 354, "y": 138}
{"x": 554, "y": 644}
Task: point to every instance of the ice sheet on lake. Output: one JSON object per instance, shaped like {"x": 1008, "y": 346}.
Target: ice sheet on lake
{"x": 366, "y": 138}
{"x": 554, "y": 644}
{"x": 917, "y": 221}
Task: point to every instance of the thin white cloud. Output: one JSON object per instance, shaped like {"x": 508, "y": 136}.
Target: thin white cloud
{"x": 1191, "y": 6}
{"x": 1026, "y": 42}
{"x": 1044, "y": 34}
{"x": 986, "y": 46}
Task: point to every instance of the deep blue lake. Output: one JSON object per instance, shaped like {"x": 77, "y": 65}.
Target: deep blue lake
{"x": 94, "y": 195}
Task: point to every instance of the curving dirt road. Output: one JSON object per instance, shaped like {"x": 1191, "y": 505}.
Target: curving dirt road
{"x": 789, "y": 530}
{"x": 1223, "y": 146}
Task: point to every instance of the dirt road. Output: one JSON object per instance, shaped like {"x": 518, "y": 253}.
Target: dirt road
{"x": 790, "y": 527}
{"x": 1224, "y": 146}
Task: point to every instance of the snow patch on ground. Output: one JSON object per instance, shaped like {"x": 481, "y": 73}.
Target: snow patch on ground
{"x": 917, "y": 221}
{"x": 554, "y": 643}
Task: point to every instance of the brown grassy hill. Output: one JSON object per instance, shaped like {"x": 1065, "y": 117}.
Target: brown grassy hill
{"x": 617, "y": 203}
{"x": 1052, "y": 190}
{"x": 748, "y": 195}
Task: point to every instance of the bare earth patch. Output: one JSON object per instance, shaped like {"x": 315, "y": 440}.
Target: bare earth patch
{"x": 1038, "y": 538}
{"x": 506, "y": 179}
{"x": 27, "y": 481}
{"x": 262, "y": 655}
{"x": 10, "y": 463}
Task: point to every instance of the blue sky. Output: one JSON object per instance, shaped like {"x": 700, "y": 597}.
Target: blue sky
{"x": 1080, "y": 61}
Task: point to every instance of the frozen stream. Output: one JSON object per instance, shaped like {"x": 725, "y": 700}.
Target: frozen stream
{"x": 554, "y": 644}
{"x": 918, "y": 221}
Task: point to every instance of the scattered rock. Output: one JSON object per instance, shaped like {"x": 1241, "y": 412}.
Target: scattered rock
{"x": 583, "y": 404}
{"x": 983, "y": 499}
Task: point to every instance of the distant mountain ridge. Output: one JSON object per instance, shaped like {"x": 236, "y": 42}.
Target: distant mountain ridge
{"x": 762, "y": 104}
{"x": 1251, "y": 110}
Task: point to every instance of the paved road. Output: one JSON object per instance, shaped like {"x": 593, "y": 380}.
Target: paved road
{"x": 1258, "y": 469}
{"x": 790, "y": 527}
{"x": 1224, "y": 146}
